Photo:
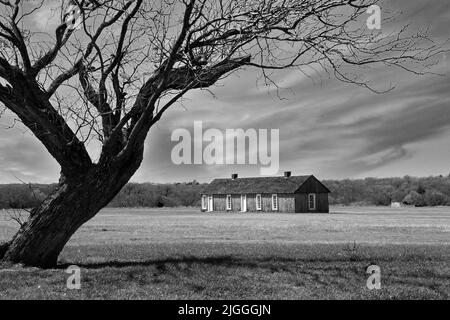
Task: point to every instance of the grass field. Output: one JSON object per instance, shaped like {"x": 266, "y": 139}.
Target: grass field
{"x": 185, "y": 254}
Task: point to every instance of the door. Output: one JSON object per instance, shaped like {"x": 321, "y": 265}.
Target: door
{"x": 243, "y": 203}
{"x": 210, "y": 204}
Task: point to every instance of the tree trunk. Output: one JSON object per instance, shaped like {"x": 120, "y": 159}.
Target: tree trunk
{"x": 41, "y": 239}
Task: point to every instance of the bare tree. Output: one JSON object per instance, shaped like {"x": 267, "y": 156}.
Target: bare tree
{"x": 113, "y": 67}
{"x": 16, "y": 215}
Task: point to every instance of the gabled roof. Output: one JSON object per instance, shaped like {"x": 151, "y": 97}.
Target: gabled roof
{"x": 256, "y": 185}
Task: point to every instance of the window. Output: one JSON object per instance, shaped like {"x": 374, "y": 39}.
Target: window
{"x": 312, "y": 201}
{"x": 204, "y": 203}
{"x": 210, "y": 203}
{"x": 229, "y": 202}
{"x": 258, "y": 202}
{"x": 274, "y": 202}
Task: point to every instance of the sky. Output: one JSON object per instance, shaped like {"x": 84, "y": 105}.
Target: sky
{"x": 327, "y": 128}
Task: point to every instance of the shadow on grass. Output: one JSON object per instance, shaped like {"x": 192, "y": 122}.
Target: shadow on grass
{"x": 274, "y": 264}
{"x": 227, "y": 261}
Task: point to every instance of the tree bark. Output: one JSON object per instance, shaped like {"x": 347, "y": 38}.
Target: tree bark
{"x": 40, "y": 240}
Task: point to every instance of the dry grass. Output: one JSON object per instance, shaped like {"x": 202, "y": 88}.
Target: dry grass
{"x": 181, "y": 253}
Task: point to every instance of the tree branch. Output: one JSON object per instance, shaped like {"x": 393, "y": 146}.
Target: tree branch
{"x": 61, "y": 38}
{"x": 183, "y": 79}
{"x": 36, "y": 113}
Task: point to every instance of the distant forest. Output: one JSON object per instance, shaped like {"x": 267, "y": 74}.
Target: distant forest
{"x": 429, "y": 191}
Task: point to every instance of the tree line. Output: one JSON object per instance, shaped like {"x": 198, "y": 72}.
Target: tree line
{"x": 413, "y": 191}
{"x": 428, "y": 191}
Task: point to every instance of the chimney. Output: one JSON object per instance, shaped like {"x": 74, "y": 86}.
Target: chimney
{"x": 287, "y": 174}
{"x": 234, "y": 176}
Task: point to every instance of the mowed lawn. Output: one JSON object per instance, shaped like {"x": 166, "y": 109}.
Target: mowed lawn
{"x": 186, "y": 254}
